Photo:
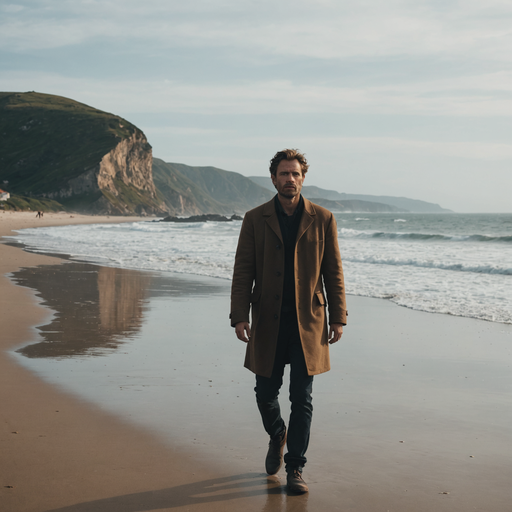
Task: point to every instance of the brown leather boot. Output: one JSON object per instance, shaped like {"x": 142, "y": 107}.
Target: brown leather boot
{"x": 294, "y": 481}
{"x": 274, "y": 459}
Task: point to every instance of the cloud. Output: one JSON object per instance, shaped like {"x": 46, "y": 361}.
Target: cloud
{"x": 385, "y": 145}
{"x": 485, "y": 95}
{"x": 185, "y": 131}
{"x": 11, "y": 8}
{"x": 307, "y": 28}
{"x": 402, "y": 146}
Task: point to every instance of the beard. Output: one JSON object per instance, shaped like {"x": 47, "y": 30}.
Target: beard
{"x": 287, "y": 192}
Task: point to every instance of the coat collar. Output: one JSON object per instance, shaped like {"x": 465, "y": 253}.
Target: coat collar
{"x": 269, "y": 209}
{"x": 269, "y": 212}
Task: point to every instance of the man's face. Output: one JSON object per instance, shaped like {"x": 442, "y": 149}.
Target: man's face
{"x": 288, "y": 179}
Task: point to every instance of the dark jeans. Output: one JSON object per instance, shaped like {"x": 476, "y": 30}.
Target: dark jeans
{"x": 289, "y": 350}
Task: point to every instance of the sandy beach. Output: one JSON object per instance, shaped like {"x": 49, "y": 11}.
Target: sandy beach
{"x": 56, "y": 451}
{"x": 415, "y": 415}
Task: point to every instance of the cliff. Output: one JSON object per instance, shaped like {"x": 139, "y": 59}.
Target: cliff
{"x": 84, "y": 158}
{"x": 189, "y": 190}
{"x": 122, "y": 182}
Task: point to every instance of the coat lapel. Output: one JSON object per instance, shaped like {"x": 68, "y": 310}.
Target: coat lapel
{"x": 269, "y": 212}
{"x": 307, "y": 218}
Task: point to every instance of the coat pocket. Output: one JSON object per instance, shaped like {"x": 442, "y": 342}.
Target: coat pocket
{"x": 320, "y": 299}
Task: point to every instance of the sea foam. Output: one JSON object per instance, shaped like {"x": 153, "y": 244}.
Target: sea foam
{"x": 433, "y": 263}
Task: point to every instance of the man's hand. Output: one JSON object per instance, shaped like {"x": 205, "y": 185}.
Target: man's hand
{"x": 243, "y": 331}
{"x": 335, "y": 332}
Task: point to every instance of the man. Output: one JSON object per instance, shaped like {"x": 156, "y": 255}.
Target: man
{"x": 287, "y": 255}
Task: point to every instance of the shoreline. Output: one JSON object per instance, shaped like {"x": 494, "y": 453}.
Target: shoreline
{"x": 57, "y": 450}
{"x": 84, "y": 458}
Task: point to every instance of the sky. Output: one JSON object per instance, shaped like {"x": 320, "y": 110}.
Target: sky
{"x": 386, "y": 97}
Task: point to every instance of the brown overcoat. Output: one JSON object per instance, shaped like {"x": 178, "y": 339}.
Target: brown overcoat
{"x": 258, "y": 282}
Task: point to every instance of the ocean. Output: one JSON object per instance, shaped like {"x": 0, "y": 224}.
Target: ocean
{"x": 454, "y": 264}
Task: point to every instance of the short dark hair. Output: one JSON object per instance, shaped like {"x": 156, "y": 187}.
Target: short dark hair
{"x": 288, "y": 154}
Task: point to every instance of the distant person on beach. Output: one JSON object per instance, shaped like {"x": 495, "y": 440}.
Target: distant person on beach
{"x": 39, "y": 215}
{"x": 287, "y": 256}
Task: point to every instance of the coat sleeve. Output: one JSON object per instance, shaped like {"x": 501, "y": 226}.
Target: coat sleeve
{"x": 243, "y": 274}
{"x": 332, "y": 272}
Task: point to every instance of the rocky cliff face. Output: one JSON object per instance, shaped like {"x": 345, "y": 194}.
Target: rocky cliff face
{"x": 122, "y": 178}
{"x": 130, "y": 161}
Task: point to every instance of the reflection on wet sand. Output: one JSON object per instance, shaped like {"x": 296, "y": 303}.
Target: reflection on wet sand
{"x": 121, "y": 295}
{"x": 95, "y": 308}
{"x": 218, "y": 494}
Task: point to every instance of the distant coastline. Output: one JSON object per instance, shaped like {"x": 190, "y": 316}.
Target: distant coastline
{"x": 62, "y": 155}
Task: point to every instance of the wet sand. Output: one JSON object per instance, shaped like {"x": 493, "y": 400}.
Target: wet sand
{"x": 58, "y": 451}
{"x": 415, "y": 414}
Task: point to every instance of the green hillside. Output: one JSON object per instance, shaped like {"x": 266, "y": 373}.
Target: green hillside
{"x": 48, "y": 141}
{"x": 355, "y": 205}
{"x": 398, "y": 204}
{"x": 180, "y": 194}
{"x": 23, "y": 203}
{"x": 206, "y": 189}
{"x": 85, "y": 159}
